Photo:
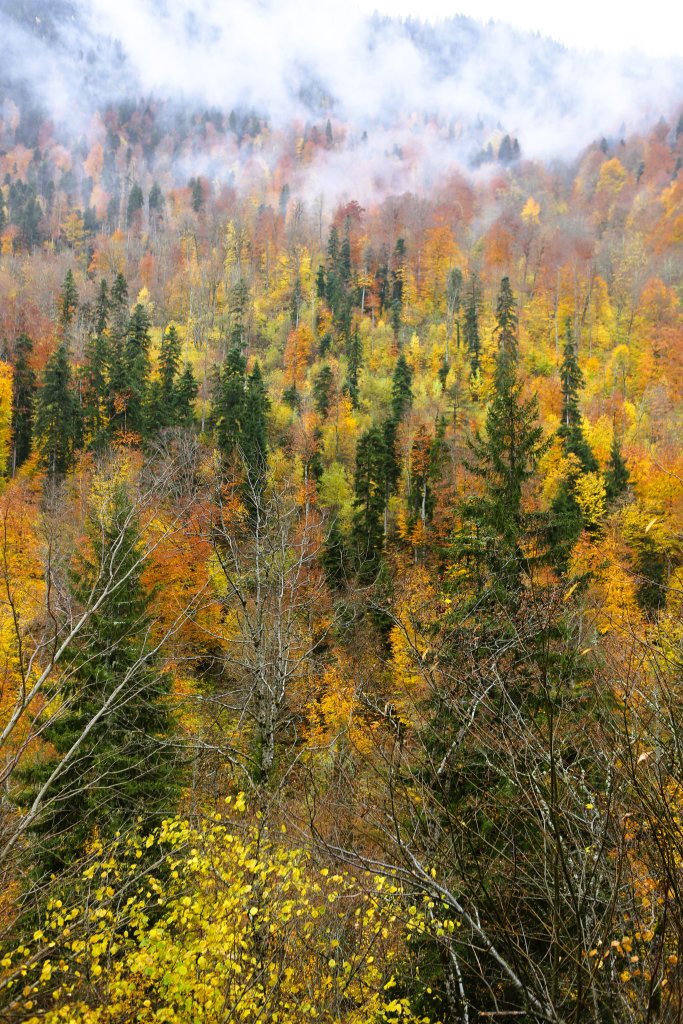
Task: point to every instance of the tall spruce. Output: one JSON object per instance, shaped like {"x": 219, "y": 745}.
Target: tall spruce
{"x": 401, "y": 388}
{"x": 95, "y": 372}
{"x": 228, "y": 401}
{"x": 617, "y": 477}
{"x": 58, "y": 415}
{"x": 23, "y": 402}
{"x": 504, "y": 458}
{"x": 254, "y": 433}
{"x": 125, "y": 767}
{"x": 571, "y": 428}
{"x": 566, "y": 517}
{"x": 471, "y": 323}
{"x": 68, "y": 302}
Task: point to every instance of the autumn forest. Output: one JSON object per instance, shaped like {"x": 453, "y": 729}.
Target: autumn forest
{"x": 341, "y": 575}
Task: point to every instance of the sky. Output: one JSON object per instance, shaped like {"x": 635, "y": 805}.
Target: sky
{"x": 655, "y": 27}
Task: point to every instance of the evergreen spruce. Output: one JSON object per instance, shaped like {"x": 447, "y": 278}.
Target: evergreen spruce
{"x": 333, "y": 557}
{"x": 471, "y": 323}
{"x": 228, "y": 402}
{"x": 617, "y": 477}
{"x": 322, "y": 386}
{"x": 254, "y": 434}
{"x": 571, "y": 429}
{"x": 354, "y": 353}
{"x": 137, "y": 366}
{"x": 58, "y": 416}
{"x": 566, "y": 518}
{"x": 23, "y": 402}
{"x": 401, "y": 388}
{"x": 504, "y": 458}
{"x": 125, "y": 768}
{"x": 95, "y": 372}
{"x": 186, "y": 392}
{"x": 68, "y": 302}
{"x": 369, "y": 503}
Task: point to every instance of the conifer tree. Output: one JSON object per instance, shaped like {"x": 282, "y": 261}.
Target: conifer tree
{"x": 397, "y": 285}
{"x": 68, "y": 302}
{"x": 163, "y": 394}
{"x": 471, "y": 323}
{"x": 566, "y": 518}
{"x": 322, "y": 386}
{"x": 367, "y": 532}
{"x": 23, "y": 402}
{"x": 504, "y": 458}
{"x": 333, "y": 557}
{"x": 354, "y": 353}
{"x": 125, "y": 767}
{"x": 401, "y": 388}
{"x": 507, "y": 321}
{"x": 571, "y": 429}
{"x": 185, "y": 394}
{"x": 254, "y": 432}
{"x": 617, "y": 476}
{"x": 136, "y": 365}
{"x": 95, "y": 371}
{"x": 228, "y": 401}
{"x": 58, "y": 416}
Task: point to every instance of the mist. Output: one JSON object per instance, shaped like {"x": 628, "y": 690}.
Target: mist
{"x": 406, "y": 99}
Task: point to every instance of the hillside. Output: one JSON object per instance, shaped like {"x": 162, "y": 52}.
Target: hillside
{"x": 341, "y": 519}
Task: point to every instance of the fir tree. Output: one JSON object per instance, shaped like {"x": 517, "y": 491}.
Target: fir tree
{"x": 186, "y": 392}
{"x": 125, "y": 767}
{"x": 58, "y": 417}
{"x": 354, "y": 353}
{"x": 571, "y": 429}
{"x": 68, "y": 302}
{"x": 506, "y": 321}
{"x": 566, "y": 517}
{"x": 136, "y": 201}
{"x": 322, "y": 386}
{"x": 617, "y": 477}
{"x": 401, "y": 388}
{"x": 254, "y": 439}
{"x": 136, "y": 363}
{"x": 333, "y": 557}
{"x": 504, "y": 458}
{"x": 228, "y": 402}
{"x": 471, "y": 323}
{"x": 369, "y": 503}
{"x": 94, "y": 375}
{"x": 23, "y": 402}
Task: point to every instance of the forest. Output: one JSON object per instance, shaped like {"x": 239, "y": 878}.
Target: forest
{"x": 341, "y": 577}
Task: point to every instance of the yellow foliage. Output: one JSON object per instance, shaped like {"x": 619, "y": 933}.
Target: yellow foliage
{"x": 590, "y": 494}
{"x": 5, "y": 416}
{"x": 231, "y": 927}
{"x": 531, "y": 211}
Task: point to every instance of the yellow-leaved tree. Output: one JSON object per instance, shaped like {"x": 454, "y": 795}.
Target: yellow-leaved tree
{"x": 216, "y": 923}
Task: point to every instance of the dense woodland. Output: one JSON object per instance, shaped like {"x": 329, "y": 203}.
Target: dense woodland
{"x": 341, "y": 576}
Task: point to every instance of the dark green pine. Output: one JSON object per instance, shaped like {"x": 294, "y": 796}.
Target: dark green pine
{"x": 504, "y": 458}
{"x": 126, "y": 767}
{"x": 371, "y": 484}
{"x": 471, "y": 323}
{"x": 23, "y": 401}
{"x": 254, "y": 439}
{"x": 617, "y": 478}
{"x": 571, "y": 429}
{"x": 322, "y": 387}
{"x": 227, "y": 412}
{"x": 58, "y": 416}
{"x": 68, "y": 301}
{"x": 401, "y": 388}
{"x": 137, "y": 367}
